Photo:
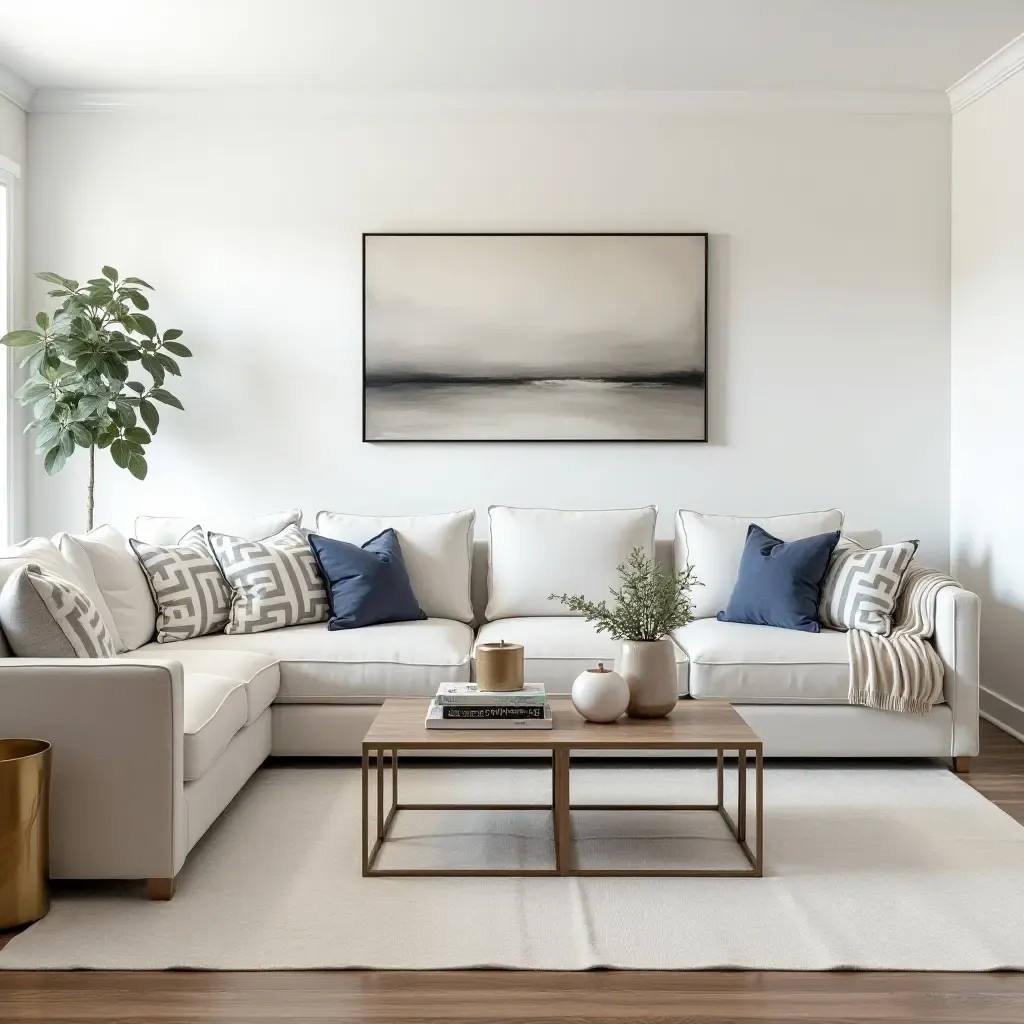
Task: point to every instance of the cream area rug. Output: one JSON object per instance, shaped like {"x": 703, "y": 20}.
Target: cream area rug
{"x": 884, "y": 868}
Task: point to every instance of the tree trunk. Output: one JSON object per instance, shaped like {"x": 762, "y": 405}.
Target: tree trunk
{"x": 92, "y": 486}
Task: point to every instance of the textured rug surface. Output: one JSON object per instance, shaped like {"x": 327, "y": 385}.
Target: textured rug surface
{"x": 884, "y": 868}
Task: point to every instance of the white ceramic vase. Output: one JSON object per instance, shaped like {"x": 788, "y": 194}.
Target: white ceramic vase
{"x": 599, "y": 694}
{"x": 649, "y": 668}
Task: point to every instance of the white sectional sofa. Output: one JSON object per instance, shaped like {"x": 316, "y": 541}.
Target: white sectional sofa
{"x": 151, "y": 746}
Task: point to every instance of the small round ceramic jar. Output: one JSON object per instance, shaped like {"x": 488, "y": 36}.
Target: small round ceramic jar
{"x": 599, "y": 694}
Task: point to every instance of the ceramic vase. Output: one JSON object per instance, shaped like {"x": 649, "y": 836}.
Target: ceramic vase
{"x": 599, "y": 694}
{"x": 649, "y": 668}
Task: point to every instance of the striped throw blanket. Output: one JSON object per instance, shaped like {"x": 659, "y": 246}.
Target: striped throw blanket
{"x": 901, "y": 671}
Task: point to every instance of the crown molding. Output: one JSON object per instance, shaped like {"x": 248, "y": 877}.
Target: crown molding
{"x": 987, "y": 75}
{"x": 264, "y": 100}
{"x": 15, "y": 88}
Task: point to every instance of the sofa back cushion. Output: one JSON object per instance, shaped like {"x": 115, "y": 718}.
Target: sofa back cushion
{"x": 437, "y": 550}
{"x": 713, "y": 545}
{"x": 166, "y": 530}
{"x": 535, "y": 552}
{"x": 115, "y": 583}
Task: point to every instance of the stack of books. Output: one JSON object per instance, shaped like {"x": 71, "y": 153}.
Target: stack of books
{"x": 463, "y": 706}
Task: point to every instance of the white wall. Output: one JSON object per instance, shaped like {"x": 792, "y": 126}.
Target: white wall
{"x": 829, "y": 299}
{"x": 987, "y": 484}
{"x": 13, "y": 451}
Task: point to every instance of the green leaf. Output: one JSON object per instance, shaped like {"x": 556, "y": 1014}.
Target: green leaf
{"x": 107, "y": 438}
{"x": 82, "y": 435}
{"x": 120, "y": 453}
{"x": 54, "y": 461}
{"x": 116, "y": 368}
{"x": 64, "y": 282}
{"x": 145, "y": 325}
{"x": 135, "y": 386}
{"x": 150, "y": 415}
{"x": 169, "y": 364}
{"x": 67, "y": 442}
{"x": 125, "y": 413}
{"x": 110, "y": 274}
{"x": 19, "y": 339}
{"x": 90, "y": 405}
{"x": 42, "y": 321}
{"x": 153, "y": 367}
{"x": 171, "y": 333}
{"x": 138, "y": 435}
{"x": 137, "y": 466}
{"x": 138, "y": 300}
{"x": 177, "y": 348}
{"x": 160, "y": 395}
{"x": 133, "y": 356}
{"x": 47, "y": 434}
{"x": 138, "y": 281}
{"x": 43, "y": 409}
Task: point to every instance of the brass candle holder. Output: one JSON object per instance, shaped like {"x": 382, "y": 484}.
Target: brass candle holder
{"x": 499, "y": 666}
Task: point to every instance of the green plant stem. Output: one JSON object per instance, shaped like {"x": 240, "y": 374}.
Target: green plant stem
{"x": 89, "y": 503}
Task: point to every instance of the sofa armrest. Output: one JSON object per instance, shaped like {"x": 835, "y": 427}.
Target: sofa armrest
{"x": 957, "y": 629}
{"x": 116, "y": 727}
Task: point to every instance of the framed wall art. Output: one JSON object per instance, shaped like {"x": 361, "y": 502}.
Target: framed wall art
{"x": 535, "y": 337}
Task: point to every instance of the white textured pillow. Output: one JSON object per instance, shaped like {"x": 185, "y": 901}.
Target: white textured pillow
{"x": 169, "y": 529}
{"x": 535, "y": 552}
{"x": 713, "y": 545}
{"x": 37, "y": 551}
{"x": 114, "y": 581}
{"x": 437, "y": 550}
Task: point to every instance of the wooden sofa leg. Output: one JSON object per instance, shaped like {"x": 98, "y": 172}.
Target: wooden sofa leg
{"x": 962, "y": 765}
{"x": 161, "y": 888}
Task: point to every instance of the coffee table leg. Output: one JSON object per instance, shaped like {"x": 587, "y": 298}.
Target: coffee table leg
{"x": 562, "y": 821}
{"x": 380, "y": 793}
{"x": 366, "y": 812}
{"x": 759, "y": 810}
{"x": 721, "y": 779}
{"x": 741, "y": 817}
{"x": 394, "y": 778}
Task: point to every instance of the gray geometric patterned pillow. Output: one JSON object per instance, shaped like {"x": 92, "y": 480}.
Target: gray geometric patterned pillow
{"x": 861, "y": 585}
{"x": 191, "y": 596}
{"x": 45, "y": 616}
{"x": 274, "y": 582}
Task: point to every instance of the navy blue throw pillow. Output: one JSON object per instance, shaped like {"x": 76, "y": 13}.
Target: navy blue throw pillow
{"x": 367, "y": 585}
{"x": 779, "y": 582}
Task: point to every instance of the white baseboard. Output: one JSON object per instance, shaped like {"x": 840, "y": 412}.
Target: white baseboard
{"x": 1003, "y": 713}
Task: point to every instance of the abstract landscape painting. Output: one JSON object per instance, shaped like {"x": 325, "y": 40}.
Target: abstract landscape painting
{"x": 534, "y": 337}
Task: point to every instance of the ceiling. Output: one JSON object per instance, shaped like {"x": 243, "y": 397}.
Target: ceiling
{"x": 504, "y": 45}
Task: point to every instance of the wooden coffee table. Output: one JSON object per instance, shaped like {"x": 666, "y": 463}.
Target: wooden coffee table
{"x": 694, "y": 725}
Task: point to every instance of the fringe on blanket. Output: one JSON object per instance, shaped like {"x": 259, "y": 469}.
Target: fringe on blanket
{"x": 902, "y": 671}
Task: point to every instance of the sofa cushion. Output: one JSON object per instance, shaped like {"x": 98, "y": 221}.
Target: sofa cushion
{"x": 354, "y": 666}
{"x": 713, "y": 545}
{"x": 214, "y": 710}
{"x": 764, "y": 664}
{"x": 191, "y": 596}
{"x": 274, "y": 582}
{"x": 37, "y": 551}
{"x": 558, "y": 649}
{"x": 437, "y": 550}
{"x": 258, "y": 672}
{"x": 167, "y": 529}
{"x": 535, "y": 552}
{"x": 45, "y": 616}
{"x": 114, "y": 580}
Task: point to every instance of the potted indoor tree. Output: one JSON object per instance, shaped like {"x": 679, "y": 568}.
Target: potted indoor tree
{"x": 79, "y": 360}
{"x": 648, "y": 605}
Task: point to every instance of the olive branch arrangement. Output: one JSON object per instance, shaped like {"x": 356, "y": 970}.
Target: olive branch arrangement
{"x": 649, "y": 603}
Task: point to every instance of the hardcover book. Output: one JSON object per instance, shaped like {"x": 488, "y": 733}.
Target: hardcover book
{"x": 469, "y": 693}
{"x": 492, "y": 711}
{"x": 435, "y": 720}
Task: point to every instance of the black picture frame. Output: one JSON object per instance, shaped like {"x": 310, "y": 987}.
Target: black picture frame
{"x": 368, "y": 236}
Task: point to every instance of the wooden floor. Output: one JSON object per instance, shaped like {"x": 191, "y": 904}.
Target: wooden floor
{"x": 735, "y": 997}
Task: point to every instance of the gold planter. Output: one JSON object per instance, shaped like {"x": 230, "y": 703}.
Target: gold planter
{"x": 24, "y": 831}
{"x": 499, "y": 666}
